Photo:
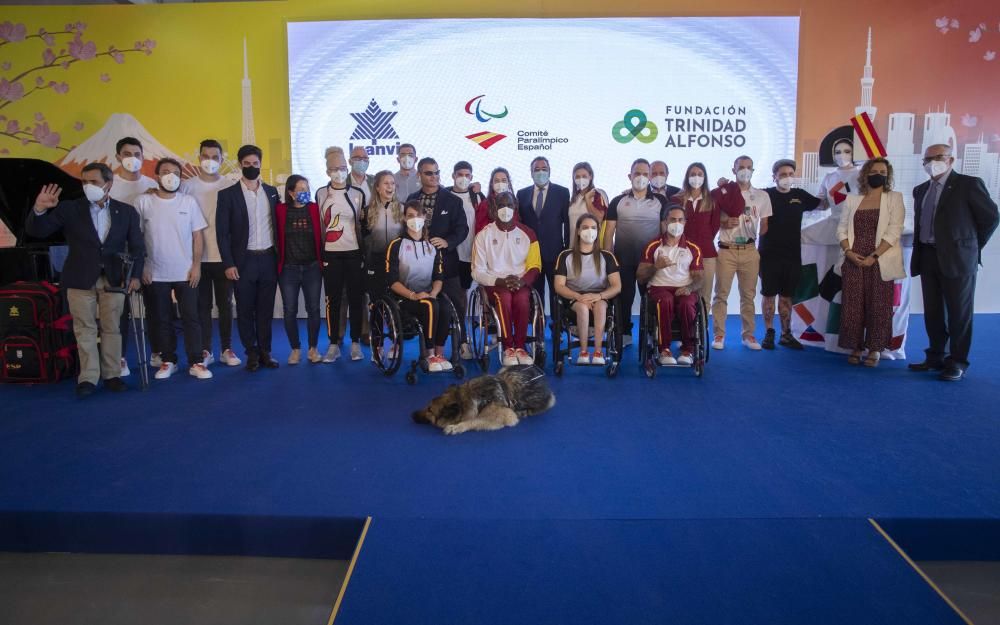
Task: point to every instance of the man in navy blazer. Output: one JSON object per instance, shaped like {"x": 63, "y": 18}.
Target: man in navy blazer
{"x": 544, "y": 207}
{"x": 953, "y": 220}
{"x": 97, "y": 229}
{"x": 245, "y": 232}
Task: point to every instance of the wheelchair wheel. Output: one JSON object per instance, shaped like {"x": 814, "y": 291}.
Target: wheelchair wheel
{"x": 482, "y": 328}
{"x": 700, "y": 340}
{"x": 536, "y": 341}
{"x": 454, "y": 331}
{"x": 558, "y": 355}
{"x": 385, "y": 323}
{"x": 613, "y": 342}
{"x": 647, "y": 336}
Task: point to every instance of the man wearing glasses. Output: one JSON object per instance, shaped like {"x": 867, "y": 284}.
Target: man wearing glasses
{"x": 954, "y": 218}
{"x": 446, "y": 227}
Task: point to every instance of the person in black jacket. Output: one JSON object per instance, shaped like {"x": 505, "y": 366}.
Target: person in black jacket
{"x": 97, "y": 228}
{"x": 446, "y": 226}
{"x": 953, "y": 220}
{"x": 244, "y": 229}
{"x": 544, "y": 208}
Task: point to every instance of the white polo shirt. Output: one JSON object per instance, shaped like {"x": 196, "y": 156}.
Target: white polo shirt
{"x": 168, "y": 226}
{"x": 207, "y": 195}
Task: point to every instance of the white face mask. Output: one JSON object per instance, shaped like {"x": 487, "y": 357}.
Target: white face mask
{"x": 406, "y": 162}
{"x": 505, "y": 214}
{"x": 93, "y": 192}
{"x": 415, "y": 224}
{"x": 582, "y": 183}
{"x": 588, "y": 235}
{"x": 639, "y": 183}
{"x": 500, "y": 187}
{"x": 338, "y": 176}
{"x": 659, "y": 182}
{"x": 696, "y": 181}
{"x": 462, "y": 183}
{"x": 784, "y": 184}
{"x": 744, "y": 175}
{"x": 843, "y": 160}
{"x": 675, "y": 229}
{"x": 936, "y": 168}
{"x": 131, "y": 164}
{"x": 170, "y": 182}
{"x": 210, "y": 166}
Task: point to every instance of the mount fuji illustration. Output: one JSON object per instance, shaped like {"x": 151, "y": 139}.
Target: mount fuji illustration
{"x": 100, "y": 147}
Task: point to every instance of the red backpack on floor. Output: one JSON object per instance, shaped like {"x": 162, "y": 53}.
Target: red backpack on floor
{"x": 37, "y": 344}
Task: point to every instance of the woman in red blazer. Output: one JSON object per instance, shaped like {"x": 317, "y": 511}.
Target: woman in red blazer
{"x": 299, "y": 238}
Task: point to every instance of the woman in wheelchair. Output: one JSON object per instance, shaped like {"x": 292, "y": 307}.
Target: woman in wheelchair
{"x": 414, "y": 273}
{"x": 588, "y": 277}
{"x": 672, "y": 267}
{"x": 506, "y": 261}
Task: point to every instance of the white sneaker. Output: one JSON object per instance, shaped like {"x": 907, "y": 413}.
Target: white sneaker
{"x": 356, "y": 351}
{"x": 207, "y": 358}
{"x": 125, "y": 370}
{"x": 583, "y": 358}
{"x": 597, "y": 359}
{"x": 719, "y": 342}
{"x": 523, "y": 357}
{"x": 332, "y": 353}
{"x": 685, "y": 359}
{"x": 509, "y": 357}
{"x": 751, "y": 343}
{"x": 200, "y": 371}
{"x": 434, "y": 364}
{"x": 446, "y": 364}
{"x": 166, "y": 370}
{"x": 465, "y": 351}
{"x": 155, "y": 361}
{"x": 666, "y": 358}
{"x": 230, "y": 358}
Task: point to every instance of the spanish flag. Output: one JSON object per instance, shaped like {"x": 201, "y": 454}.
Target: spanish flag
{"x": 866, "y": 132}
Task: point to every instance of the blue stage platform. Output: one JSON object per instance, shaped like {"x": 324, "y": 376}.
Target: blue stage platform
{"x": 239, "y": 463}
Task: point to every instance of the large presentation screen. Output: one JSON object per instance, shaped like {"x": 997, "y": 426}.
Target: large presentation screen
{"x": 499, "y": 92}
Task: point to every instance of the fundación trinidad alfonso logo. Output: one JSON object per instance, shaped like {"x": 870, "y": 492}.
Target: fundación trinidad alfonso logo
{"x": 634, "y": 126}
{"x": 484, "y": 139}
{"x": 374, "y": 124}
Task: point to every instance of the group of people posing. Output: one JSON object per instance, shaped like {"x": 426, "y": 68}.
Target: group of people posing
{"x": 197, "y": 236}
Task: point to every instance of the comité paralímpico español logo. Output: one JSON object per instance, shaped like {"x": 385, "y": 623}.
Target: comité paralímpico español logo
{"x": 484, "y": 139}
{"x": 634, "y": 125}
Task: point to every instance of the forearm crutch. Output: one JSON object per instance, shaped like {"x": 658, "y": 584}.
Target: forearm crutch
{"x": 137, "y": 317}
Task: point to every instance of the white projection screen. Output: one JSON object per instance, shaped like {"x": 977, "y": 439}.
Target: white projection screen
{"x": 498, "y": 92}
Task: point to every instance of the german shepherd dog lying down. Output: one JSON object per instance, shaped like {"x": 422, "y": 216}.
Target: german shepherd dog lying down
{"x": 489, "y": 402}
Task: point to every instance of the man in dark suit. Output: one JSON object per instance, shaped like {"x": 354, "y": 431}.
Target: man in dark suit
{"x": 447, "y": 227}
{"x": 97, "y": 228}
{"x": 244, "y": 228}
{"x": 953, "y": 220}
{"x": 658, "y": 173}
{"x": 544, "y": 207}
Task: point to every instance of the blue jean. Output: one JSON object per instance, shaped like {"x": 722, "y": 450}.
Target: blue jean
{"x": 309, "y": 278}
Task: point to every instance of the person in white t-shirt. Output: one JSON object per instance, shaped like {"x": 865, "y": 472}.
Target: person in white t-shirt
{"x": 129, "y": 183}
{"x": 205, "y": 189}
{"x": 173, "y": 228}
{"x": 469, "y": 192}
{"x": 738, "y": 256}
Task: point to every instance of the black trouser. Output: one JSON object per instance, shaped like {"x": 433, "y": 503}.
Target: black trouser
{"x": 214, "y": 281}
{"x": 124, "y": 323}
{"x": 375, "y": 276}
{"x": 465, "y": 274}
{"x": 343, "y": 269}
{"x": 627, "y": 274}
{"x": 187, "y": 301}
{"x": 309, "y": 278}
{"x": 948, "y": 308}
{"x": 433, "y": 316}
{"x": 452, "y": 287}
{"x": 255, "y": 301}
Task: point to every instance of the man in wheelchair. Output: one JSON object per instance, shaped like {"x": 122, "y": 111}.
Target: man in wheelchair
{"x": 672, "y": 267}
{"x": 414, "y": 272}
{"x": 506, "y": 261}
{"x": 587, "y": 278}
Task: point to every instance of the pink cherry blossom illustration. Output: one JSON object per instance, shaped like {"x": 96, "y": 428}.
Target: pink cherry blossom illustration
{"x": 84, "y": 51}
{"x": 13, "y": 32}
{"x": 954, "y": 23}
{"x": 48, "y": 56}
{"x": 941, "y": 24}
{"x": 5, "y": 151}
{"x": 44, "y": 136}
{"x": 39, "y": 117}
{"x": 5, "y": 66}
{"x": 78, "y": 126}
{"x": 13, "y": 126}
{"x": 990, "y": 55}
{"x": 61, "y": 88}
{"x": 11, "y": 91}
{"x": 975, "y": 35}
{"x": 105, "y": 77}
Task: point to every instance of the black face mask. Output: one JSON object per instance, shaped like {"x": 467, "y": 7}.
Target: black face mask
{"x": 876, "y": 181}
{"x": 251, "y": 173}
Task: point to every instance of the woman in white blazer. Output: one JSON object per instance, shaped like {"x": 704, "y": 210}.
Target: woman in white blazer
{"x": 870, "y": 226}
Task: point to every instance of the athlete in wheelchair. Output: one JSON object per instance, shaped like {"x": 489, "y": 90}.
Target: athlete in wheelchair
{"x": 505, "y": 263}
{"x": 671, "y": 308}
{"x": 587, "y": 284}
{"x": 414, "y": 306}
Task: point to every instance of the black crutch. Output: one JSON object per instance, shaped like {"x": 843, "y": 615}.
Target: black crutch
{"x": 137, "y": 316}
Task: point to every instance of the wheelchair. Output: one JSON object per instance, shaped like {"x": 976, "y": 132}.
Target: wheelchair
{"x": 391, "y": 328}
{"x": 483, "y": 324}
{"x": 649, "y": 337}
{"x": 564, "y": 317}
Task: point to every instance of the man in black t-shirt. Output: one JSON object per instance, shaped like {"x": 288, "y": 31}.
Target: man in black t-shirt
{"x": 781, "y": 251}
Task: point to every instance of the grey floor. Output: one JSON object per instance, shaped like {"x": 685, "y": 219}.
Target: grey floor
{"x": 973, "y": 586}
{"x": 84, "y": 589}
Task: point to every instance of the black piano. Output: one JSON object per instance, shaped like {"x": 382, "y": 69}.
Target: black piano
{"x": 20, "y": 181}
